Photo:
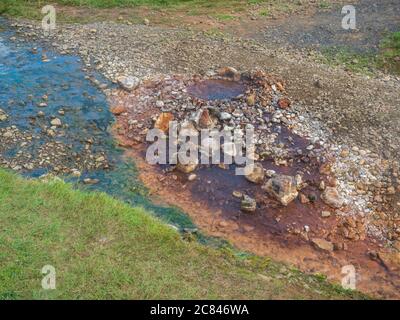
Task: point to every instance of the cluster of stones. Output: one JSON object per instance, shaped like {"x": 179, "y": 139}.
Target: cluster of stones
{"x": 52, "y": 155}
{"x": 264, "y": 107}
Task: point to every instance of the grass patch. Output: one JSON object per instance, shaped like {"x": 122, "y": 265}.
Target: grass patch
{"x": 350, "y": 60}
{"x": 224, "y": 17}
{"x": 390, "y": 53}
{"x": 325, "y": 5}
{"x": 264, "y": 12}
{"x": 103, "y": 249}
{"x": 387, "y": 59}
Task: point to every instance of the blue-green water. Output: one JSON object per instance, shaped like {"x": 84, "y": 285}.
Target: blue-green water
{"x": 25, "y": 78}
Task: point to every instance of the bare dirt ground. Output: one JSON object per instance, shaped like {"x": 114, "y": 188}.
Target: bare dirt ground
{"x": 353, "y": 110}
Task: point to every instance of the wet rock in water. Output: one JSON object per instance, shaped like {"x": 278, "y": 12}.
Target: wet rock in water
{"x": 3, "y": 115}
{"x": 248, "y": 204}
{"x": 255, "y": 173}
{"x": 91, "y": 181}
{"x": 118, "y": 110}
{"x": 76, "y": 173}
{"x": 237, "y": 194}
{"x": 332, "y": 198}
{"x": 51, "y": 133}
{"x": 56, "y": 122}
{"x": 186, "y": 168}
{"x": 49, "y": 177}
{"x": 163, "y": 121}
{"x": 128, "y": 83}
{"x": 322, "y": 244}
{"x": 283, "y": 188}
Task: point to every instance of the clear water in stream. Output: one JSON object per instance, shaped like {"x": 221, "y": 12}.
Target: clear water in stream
{"x": 25, "y": 78}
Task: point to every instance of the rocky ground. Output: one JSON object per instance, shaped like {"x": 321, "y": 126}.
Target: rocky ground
{"x": 350, "y": 118}
{"x": 27, "y": 151}
{"x": 304, "y": 189}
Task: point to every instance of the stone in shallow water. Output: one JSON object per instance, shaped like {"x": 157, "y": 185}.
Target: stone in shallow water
{"x": 283, "y": 188}
{"x": 248, "y": 204}
{"x": 3, "y": 115}
{"x": 56, "y": 122}
{"x": 254, "y": 173}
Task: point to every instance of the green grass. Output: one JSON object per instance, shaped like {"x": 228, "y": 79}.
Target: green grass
{"x": 228, "y": 4}
{"x": 264, "y": 12}
{"x": 223, "y": 17}
{"x": 361, "y": 63}
{"x": 390, "y": 53}
{"x": 324, "y": 5}
{"x": 387, "y": 59}
{"x": 103, "y": 249}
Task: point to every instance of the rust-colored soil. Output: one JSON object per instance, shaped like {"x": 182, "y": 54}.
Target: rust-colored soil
{"x": 272, "y": 230}
{"x": 266, "y": 238}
